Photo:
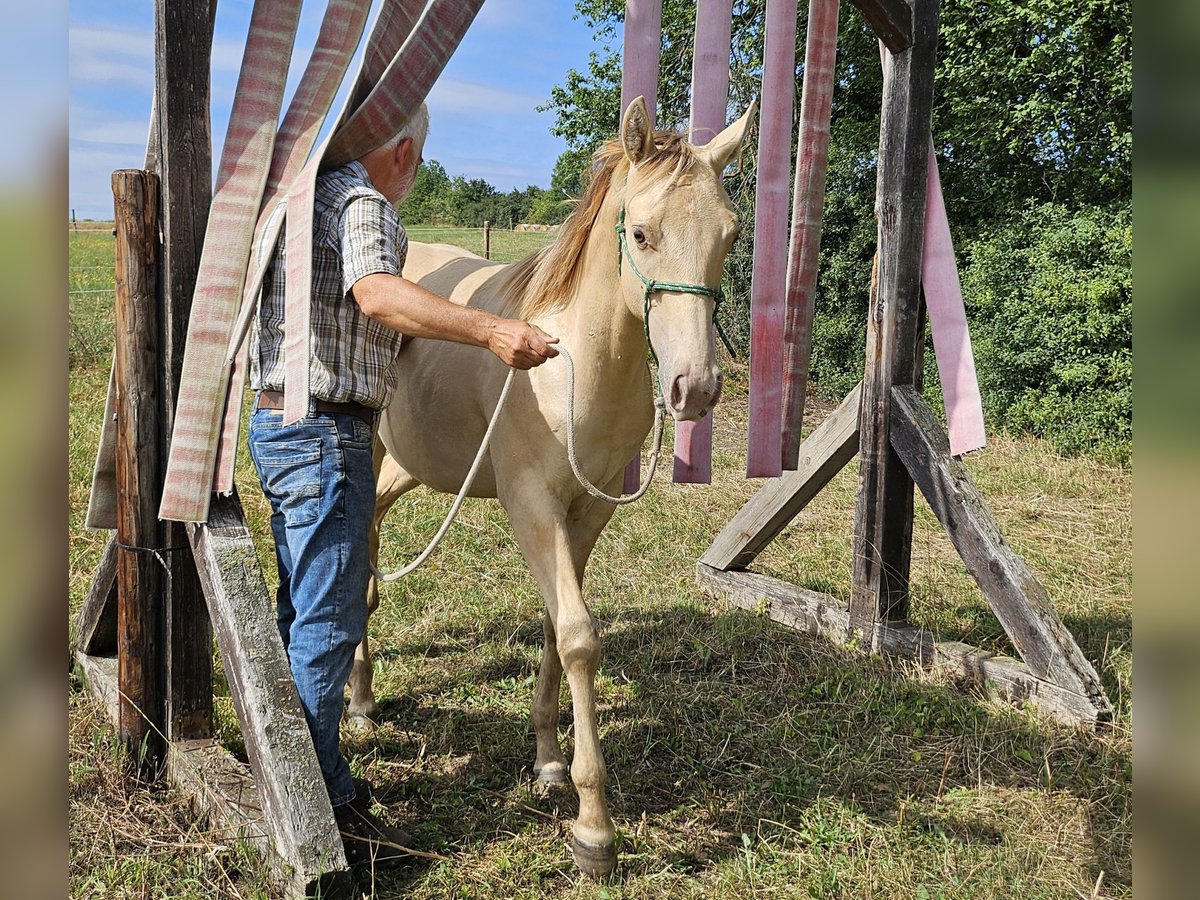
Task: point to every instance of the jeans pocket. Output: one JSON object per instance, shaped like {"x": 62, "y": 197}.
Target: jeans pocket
{"x": 356, "y": 433}
{"x": 291, "y": 472}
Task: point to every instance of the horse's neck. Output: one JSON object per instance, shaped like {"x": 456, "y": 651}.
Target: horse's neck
{"x": 603, "y": 333}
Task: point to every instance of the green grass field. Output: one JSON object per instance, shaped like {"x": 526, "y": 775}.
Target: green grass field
{"x": 744, "y": 760}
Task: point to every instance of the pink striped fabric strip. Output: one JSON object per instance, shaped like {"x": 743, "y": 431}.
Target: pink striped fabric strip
{"x": 340, "y": 34}
{"x": 769, "y": 282}
{"x": 710, "y": 106}
{"x": 948, "y": 321}
{"x": 245, "y": 163}
{"x": 404, "y": 85}
{"x": 808, "y": 200}
{"x": 639, "y": 78}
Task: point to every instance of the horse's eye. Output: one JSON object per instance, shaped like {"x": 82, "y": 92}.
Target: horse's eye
{"x": 639, "y": 236}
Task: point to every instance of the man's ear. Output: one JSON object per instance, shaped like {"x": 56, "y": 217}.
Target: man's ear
{"x": 401, "y": 155}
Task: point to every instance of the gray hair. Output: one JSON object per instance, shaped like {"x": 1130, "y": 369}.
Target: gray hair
{"x": 417, "y": 128}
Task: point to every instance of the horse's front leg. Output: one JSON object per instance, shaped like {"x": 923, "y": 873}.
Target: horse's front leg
{"x": 391, "y": 482}
{"x": 556, "y": 546}
{"x": 550, "y": 766}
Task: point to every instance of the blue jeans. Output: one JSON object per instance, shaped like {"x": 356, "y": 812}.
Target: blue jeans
{"x": 318, "y": 477}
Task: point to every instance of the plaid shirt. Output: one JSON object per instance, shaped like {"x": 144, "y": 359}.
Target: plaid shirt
{"x": 355, "y": 233}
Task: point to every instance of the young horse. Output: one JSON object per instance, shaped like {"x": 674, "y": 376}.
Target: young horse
{"x": 678, "y": 225}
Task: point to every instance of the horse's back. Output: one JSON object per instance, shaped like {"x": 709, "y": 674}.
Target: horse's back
{"x": 453, "y": 272}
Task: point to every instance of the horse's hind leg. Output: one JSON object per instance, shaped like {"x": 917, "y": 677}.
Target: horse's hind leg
{"x": 391, "y": 482}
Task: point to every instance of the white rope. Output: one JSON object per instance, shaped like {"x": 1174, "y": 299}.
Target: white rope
{"x": 659, "y": 408}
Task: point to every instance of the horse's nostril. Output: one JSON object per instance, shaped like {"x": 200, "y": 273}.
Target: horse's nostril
{"x": 677, "y": 392}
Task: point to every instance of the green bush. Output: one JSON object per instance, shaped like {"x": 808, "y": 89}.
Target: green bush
{"x": 1050, "y": 303}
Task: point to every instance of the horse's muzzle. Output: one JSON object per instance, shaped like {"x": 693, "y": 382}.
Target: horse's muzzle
{"x": 692, "y": 395}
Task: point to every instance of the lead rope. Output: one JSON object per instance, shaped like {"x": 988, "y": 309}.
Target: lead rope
{"x": 659, "y": 410}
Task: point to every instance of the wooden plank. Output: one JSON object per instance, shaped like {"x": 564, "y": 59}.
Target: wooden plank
{"x": 100, "y": 679}
{"x": 803, "y": 610}
{"x": 96, "y": 623}
{"x": 1019, "y": 600}
{"x": 825, "y": 616}
{"x": 891, "y": 20}
{"x": 220, "y": 788}
{"x": 291, "y": 789}
{"x": 831, "y": 445}
{"x": 139, "y": 535}
{"x": 183, "y": 154}
{"x": 768, "y": 286}
{"x": 808, "y": 202}
{"x": 883, "y": 506}
{"x": 710, "y": 105}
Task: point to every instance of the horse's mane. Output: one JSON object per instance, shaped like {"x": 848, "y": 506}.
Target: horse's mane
{"x": 545, "y": 280}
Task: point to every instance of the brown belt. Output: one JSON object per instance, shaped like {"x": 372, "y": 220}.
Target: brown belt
{"x": 274, "y": 400}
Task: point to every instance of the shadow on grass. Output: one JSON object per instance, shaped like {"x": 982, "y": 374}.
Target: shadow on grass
{"x": 725, "y": 721}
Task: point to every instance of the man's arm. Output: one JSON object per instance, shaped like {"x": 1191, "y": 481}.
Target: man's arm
{"x": 405, "y": 306}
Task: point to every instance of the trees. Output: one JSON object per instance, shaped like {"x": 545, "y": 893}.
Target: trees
{"x": 1032, "y": 106}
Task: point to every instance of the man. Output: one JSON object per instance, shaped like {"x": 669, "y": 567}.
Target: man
{"x": 317, "y": 472}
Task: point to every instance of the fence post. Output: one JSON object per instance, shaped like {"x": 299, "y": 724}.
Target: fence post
{"x": 74, "y": 224}
{"x": 140, "y": 562}
{"x": 487, "y": 239}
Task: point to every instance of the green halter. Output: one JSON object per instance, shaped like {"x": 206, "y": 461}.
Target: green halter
{"x": 651, "y": 286}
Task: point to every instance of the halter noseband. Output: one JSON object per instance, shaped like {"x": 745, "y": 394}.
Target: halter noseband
{"x": 651, "y": 285}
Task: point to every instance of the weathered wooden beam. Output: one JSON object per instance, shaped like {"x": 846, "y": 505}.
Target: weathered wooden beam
{"x": 822, "y": 455}
{"x": 891, "y": 20}
{"x": 1019, "y": 600}
{"x": 825, "y": 616}
{"x": 139, "y": 535}
{"x": 96, "y": 623}
{"x": 220, "y": 788}
{"x": 182, "y": 153}
{"x": 884, "y": 502}
{"x": 291, "y": 789}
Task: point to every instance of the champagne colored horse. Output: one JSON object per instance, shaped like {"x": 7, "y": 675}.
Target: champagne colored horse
{"x": 678, "y": 225}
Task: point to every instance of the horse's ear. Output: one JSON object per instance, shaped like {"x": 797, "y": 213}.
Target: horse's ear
{"x": 727, "y": 145}
{"x": 637, "y": 137}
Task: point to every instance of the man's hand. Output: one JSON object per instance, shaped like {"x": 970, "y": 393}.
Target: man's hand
{"x": 520, "y": 344}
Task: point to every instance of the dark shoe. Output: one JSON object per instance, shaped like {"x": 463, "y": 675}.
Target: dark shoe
{"x": 368, "y": 840}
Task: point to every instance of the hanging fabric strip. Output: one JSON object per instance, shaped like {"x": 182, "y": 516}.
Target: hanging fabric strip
{"x": 245, "y": 163}
{"x": 402, "y": 88}
{"x": 710, "y": 107}
{"x": 948, "y": 321}
{"x": 948, "y": 317}
{"x": 639, "y": 78}
{"x": 340, "y": 34}
{"x": 808, "y": 200}
{"x": 769, "y": 282}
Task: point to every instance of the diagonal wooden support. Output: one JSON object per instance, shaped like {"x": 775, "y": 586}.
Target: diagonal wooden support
{"x": 891, "y": 21}
{"x": 1020, "y": 602}
{"x": 96, "y": 623}
{"x": 291, "y": 789}
{"x": 822, "y": 455}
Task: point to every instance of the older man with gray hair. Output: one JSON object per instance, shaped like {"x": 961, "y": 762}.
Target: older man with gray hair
{"x": 317, "y": 472}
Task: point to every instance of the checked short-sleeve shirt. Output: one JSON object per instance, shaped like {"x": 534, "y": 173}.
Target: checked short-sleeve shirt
{"x": 354, "y": 358}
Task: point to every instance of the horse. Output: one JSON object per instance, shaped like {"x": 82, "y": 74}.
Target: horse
{"x": 676, "y": 225}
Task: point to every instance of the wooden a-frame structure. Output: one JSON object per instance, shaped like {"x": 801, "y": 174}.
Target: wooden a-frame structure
{"x": 144, "y": 633}
{"x": 887, "y": 424}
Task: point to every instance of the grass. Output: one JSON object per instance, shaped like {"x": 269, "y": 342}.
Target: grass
{"x": 744, "y": 760}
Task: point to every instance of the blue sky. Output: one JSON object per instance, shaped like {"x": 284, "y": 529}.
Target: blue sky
{"x": 483, "y": 110}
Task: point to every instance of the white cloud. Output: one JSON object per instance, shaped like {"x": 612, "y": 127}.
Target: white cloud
{"x": 112, "y": 56}
{"x": 457, "y": 95}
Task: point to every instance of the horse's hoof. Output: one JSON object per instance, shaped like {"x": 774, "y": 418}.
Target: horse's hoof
{"x": 361, "y": 725}
{"x": 594, "y": 861}
{"x": 552, "y": 773}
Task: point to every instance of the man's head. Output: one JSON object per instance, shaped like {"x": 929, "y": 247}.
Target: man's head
{"x": 393, "y": 167}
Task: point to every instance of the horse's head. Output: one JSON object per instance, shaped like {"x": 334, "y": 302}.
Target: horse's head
{"x": 677, "y": 228}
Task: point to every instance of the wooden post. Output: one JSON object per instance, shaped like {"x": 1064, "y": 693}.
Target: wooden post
{"x": 487, "y": 239}
{"x": 140, "y": 565}
{"x": 74, "y": 224}
{"x": 884, "y": 503}
{"x": 181, "y": 152}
